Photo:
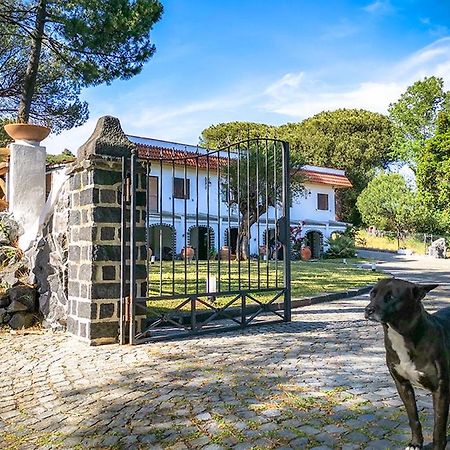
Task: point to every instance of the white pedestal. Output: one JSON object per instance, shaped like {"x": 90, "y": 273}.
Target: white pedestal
{"x": 26, "y": 188}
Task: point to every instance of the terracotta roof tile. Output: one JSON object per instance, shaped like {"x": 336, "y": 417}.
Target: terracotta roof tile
{"x": 340, "y": 181}
{"x": 192, "y": 159}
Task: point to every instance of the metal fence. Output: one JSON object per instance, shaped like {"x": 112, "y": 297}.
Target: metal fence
{"x": 216, "y": 232}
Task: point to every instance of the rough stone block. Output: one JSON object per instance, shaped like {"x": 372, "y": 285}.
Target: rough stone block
{"x": 108, "y": 196}
{"x": 87, "y": 233}
{"x": 107, "y": 214}
{"x": 22, "y": 320}
{"x": 89, "y": 196}
{"x": 107, "y": 177}
{"x": 94, "y": 310}
{"x": 109, "y": 273}
{"x": 86, "y": 253}
{"x": 141, "y": 271}
{"x": 84, "y": 310}
{"x": 85, "y": 272}
{"x": 106, "y": 253}
{"x": 104, "y": 330}
{"x": 84, "y": 291}
{"x": 106, "y": 310}
{"x": 105, "y": 290}
{"x": 107, "y": 233}
{"x": 73, "y": 288}
{"x": 85, "y": 178}
{"x": 86, "y": 215}
{"x": 83, "y": 330}
{"x": 75, "y": 182}
{"x": 75, "y": 200}
{"x": 74, "y": 217}
{"x": 74, "y": 253}
{"x": 72, "y": 325}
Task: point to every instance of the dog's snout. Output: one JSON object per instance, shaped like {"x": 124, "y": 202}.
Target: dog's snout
{"x": 369, "y": 310}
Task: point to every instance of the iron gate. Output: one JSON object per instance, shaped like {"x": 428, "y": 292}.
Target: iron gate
{"x": 217, "y": 239}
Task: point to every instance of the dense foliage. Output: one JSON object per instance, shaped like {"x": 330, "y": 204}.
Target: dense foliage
{"x": 433, "y": 178}
{"x": 414, "y": 116}
{"x": 341, "y": 245}
{"x": 388, "y": 204}
{"x": 223, "y": 134}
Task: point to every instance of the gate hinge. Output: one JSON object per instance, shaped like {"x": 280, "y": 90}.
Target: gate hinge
{"x": 127, "y": 309}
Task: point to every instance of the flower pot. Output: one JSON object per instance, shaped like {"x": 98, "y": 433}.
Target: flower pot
{"x": 305, "y": 253}
{"x": 187, "y": 253}
{"x": 27, "y": 132}
{"x": 225, "y": 253}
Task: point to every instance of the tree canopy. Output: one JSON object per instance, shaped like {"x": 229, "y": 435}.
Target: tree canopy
{"x": 55, "y": 99}
{"x": 50, "y": 50}
{"x": 223, "y": 134}
{"x": 433, "y": 176}
{"x": 414, "y": 116}
{"x": 357, "y": 141}
{"x": 388, "y": 204}
{"x": 252, "y": 181}
{"x": 354, "y": 140}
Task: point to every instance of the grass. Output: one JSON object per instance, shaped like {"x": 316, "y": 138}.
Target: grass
{"x": 308, "y": 279}
{"x": 368, "y": 240}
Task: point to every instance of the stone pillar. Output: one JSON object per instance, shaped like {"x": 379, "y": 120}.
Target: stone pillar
{"x": 94, "y": 238}
{"x": 26, "y": 187}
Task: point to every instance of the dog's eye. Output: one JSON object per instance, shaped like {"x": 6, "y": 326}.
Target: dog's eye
{"x": 387, "y": 297}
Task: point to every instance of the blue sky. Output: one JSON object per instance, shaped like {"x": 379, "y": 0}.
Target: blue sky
{"x": 273, "y": 62}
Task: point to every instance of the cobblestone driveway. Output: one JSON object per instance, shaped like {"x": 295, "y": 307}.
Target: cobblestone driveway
{"x": 319, "y": 382}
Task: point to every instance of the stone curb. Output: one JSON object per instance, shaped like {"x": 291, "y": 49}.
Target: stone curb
{"x": 323, "y": 298}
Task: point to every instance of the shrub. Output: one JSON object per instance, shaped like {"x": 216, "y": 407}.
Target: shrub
{"x": 341, "y": 245}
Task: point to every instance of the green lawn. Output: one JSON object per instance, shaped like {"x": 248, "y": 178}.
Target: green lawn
{"x": 308, "y": 279}
{"x": 368, "y": 240}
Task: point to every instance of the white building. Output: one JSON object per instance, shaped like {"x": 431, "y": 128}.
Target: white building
{"x": 198, "y": 205}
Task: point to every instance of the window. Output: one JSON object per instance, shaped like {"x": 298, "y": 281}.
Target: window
{"x": 181, "y": 188}
{"x": 153, "y": 194}
{"x": 322, "y": 202}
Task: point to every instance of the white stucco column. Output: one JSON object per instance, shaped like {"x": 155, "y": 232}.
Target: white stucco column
{"x": 26, "y": 187}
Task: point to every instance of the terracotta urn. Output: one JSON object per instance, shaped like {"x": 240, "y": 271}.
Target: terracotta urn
{"x": 305, "y": 253}
{"x": 187, "y": 253}
{"x": 27, "y": 132}
{"x": 225, "y": 253}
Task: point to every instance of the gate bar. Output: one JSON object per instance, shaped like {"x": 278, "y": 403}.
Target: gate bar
{"x": 123, "y": 258}
{"x": 287, "y": 221}
{"x": 133, "y": 261}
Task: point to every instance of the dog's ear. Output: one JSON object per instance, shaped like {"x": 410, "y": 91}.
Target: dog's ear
{"x": 420, "y": 290}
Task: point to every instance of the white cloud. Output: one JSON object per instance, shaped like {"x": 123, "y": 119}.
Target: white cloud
{"x": 379, "y": 7}
{"x": 310, "y": 97}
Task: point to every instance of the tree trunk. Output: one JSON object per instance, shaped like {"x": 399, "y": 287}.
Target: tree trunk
{"x": 33, "y": 63}
{"x": 244, "y": 235}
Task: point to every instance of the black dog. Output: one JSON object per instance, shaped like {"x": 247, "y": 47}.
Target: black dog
{"x": 417, "y": 350}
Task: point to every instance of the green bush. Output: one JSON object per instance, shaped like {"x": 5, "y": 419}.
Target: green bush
{"x": 341, "y": 245}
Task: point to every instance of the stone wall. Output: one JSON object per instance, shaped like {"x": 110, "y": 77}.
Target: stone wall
{"x": 95, "y": 251}
{"x": 48, "y": 258}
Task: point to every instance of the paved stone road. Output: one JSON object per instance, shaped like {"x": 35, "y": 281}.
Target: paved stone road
{"x": 319, "y": 382}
